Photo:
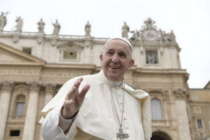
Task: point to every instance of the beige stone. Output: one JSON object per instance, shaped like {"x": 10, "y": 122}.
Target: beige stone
{"x": 165, "y": 80}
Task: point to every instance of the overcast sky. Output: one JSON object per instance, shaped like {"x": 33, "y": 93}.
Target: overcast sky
{"x": 189, "y": 19}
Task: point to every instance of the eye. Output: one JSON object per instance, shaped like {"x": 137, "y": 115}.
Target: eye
{"x": 122, "y": 54}
{"x": 110, "y": 52}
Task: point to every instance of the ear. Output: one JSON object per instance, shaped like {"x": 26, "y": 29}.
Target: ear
{"x": 101, "y": 57}
{"x": 131, "y": 63}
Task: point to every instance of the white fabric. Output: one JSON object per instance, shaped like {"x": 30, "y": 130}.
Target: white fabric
{"x": 65, "y": 123}
{"x": 96, "y": 119}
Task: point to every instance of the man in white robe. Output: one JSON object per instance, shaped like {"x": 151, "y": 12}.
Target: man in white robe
{"x": 100, "y": 106}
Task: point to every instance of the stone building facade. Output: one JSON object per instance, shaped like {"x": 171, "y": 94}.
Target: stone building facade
{"x": 33, "y": 66}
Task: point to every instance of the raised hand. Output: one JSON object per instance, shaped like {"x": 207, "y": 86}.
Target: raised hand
{"x": 74, "y": 99}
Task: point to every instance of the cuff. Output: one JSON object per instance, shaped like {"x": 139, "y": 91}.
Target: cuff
{"x": 65, "y": 123}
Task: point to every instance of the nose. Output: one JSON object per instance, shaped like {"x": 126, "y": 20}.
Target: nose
{"x": 115, "y": 58}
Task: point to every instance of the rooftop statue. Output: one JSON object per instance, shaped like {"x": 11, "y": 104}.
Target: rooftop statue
{"x": 87, "y": 29}
{"x": 135, "y": 36}
{"x": 167, "y": 37}
{"x": 3, "y": 20}
{"x": 56, "y": 28}
{"x": 125, "y": 30}
{"x": 19, "y": 25}
{"x": 149, "y": 23}
{"x": 41, "y": 25}
{"x": 173, "y": 35}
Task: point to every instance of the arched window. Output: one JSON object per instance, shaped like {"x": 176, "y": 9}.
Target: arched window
{"x": 19, "y": 106}
{"x": 156, "y": 109}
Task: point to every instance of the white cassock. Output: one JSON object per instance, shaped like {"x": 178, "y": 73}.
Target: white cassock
{"x": 98, "y": 118}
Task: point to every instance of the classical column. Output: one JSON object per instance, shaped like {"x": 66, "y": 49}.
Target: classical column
{"x": 30, "y": 120}
{"x": 173, "y": 115}
{"x": 182, "y": 116}
{"x": 4, "y": 106}
{"x": 49, "y": 93}
{"x": 165, "y": 97}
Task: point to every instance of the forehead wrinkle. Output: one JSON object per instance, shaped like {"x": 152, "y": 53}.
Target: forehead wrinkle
{"x": 119, "y": 51}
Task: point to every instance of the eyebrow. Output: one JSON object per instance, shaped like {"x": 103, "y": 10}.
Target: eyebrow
{"x": 105, "y": 49}
{"x": 118, "y": 52}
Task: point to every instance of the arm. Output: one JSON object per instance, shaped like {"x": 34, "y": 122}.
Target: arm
{"x": 51, "y": 129}
{"x": 65, "y": 124}
{"x": 61, "y": 119}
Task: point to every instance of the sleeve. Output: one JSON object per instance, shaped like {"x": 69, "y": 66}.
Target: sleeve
{"x": 65, "y": 123}
{"x": 51, "y": 130}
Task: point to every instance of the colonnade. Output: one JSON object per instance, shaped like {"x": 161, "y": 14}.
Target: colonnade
{"x": 6, "y": 93}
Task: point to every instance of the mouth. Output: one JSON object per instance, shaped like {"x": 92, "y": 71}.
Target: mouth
{"x": 114, "y": 67}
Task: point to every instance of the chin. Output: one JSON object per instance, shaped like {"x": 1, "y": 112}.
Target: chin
{"x": 115, "y": 78}
{"x": 113, "y": 75}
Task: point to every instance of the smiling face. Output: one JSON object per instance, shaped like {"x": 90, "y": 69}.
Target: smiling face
{"x": 116, "y": 59}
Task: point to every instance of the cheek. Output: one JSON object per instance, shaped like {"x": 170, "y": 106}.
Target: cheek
{"x": 104, "y": 63}
{"x": 106, "y": 60}
{"x": 125, "y": 63}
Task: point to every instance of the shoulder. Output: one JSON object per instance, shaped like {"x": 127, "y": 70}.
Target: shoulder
{"x": 139, "y": 93}
{"x": 129, "y": 87}
{"x": 132, "y": 89}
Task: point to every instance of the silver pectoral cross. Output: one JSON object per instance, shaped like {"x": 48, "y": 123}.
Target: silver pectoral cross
{"x": 122, "y": 135}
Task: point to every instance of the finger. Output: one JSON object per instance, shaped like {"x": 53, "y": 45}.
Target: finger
{"x": 78, "y": 82}
{"x": 71, "y": 93}
{"x": 74, "y": 90}
{"x": 84, "y": 91}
